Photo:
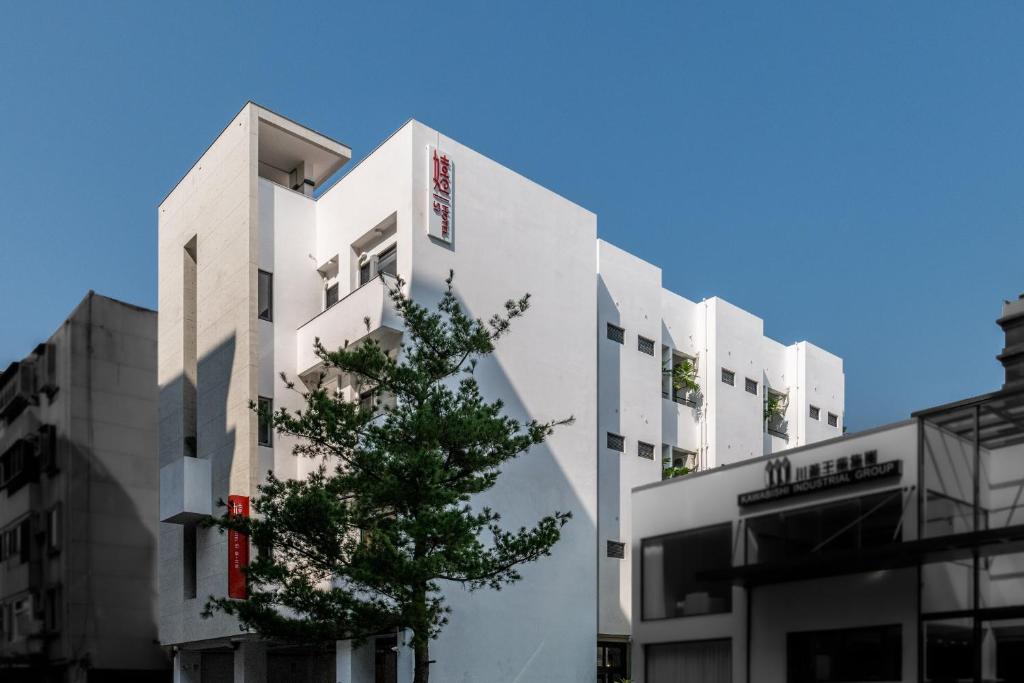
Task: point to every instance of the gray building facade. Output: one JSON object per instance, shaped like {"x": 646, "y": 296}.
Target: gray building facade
{"x": 78, "y": 502}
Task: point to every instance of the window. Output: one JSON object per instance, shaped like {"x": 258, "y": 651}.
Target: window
{"x": 24, "y": 532}
{"x": 751, "y": 386}
{"x": 671, "y": 565}
{"x": 616, "y": 550}
{"x": 675, "y": 462}
{"x": 846, "y": 525}
{"x": 331, "y": 296}
{"x": 265, "y": 296}
{"x": 728, "y": 377}
{"x": 53, "y": 529}
{"x": 264, "y": 418}
{"x": 366, "y": 401}
{"x": 645, "y": 345}
{"x": 833, "y": 420}
{"x": 188, "y": 561}
{"x": 616, "y": 333}
{"x": 611, "y": 662}
{"x": 364, "y": 273}
{"x": 387, "y": 261}
{"x": 874, "y": 653}
{"x": 616, "y": 442}
{"x": 815, "y": 413}
{"x": 645, "y": 450}
{"x": 775, "y": 406}
{"x": 53, "y": 608}
{"x": 21, "y": 617}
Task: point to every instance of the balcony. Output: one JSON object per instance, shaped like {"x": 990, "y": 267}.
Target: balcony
{"x": 366, "y": 313}
{"x": 17, "y": 388}
{"x": 185, "y": 491}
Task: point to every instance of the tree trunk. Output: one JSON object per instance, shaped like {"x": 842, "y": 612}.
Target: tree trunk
{"x": 421, "y": 673}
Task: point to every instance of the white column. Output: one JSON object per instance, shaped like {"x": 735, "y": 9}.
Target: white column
{"x": 406, "y": 657}
{"x": 251, "y": 662}
{"x": 188, "y": 666}
{"x": 343, "y": 661}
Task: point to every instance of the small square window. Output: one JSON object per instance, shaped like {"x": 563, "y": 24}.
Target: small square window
{"x": 645, "y": 450}
{"x": 645, "y": 345}
{"x": 264, "y": 431}
{"x": 331, "y": 296}
{"x": 751, "y": 386}
{"x": 616, "y": 333}
{"x": 728, "y": 377}
{"x": 265, "y": 296}
{"x": 815, "y": 413}
{"x": 833, "y": 420}
{"x": 616, "y": 442}
{"x": 617, "y": 550}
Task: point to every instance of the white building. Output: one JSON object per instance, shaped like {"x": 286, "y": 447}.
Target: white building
{"x": 253, "y": 268}
{"x": 894, "y": 554}
{"x": 78, "y": 502}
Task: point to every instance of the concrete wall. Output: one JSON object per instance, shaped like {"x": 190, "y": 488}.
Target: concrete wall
{"x": 215, "y": 203}
{"x": 104, "y": 410}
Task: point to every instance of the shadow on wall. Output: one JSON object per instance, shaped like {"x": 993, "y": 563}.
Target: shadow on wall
{"x": 521, "y": 632}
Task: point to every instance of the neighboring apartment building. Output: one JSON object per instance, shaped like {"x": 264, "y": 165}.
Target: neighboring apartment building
{"x": 78, "y": 499}
{"x": 253, "y": 268}
{"x": 893, "y": 554}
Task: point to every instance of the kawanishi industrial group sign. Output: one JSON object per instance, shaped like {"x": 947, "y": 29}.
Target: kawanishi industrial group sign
{"x": 440, "y": 194}
{"x": 781, "y": 483}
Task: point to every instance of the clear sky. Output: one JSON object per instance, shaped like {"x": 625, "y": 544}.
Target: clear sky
{"x": 852, "y": 172}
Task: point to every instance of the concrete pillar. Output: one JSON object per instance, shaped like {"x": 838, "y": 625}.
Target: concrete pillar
{"x": 343, "y": 662}
{"x": 406, "y": 657}
{"x": 188, "y": 667}
{"x": 251, "y": 662}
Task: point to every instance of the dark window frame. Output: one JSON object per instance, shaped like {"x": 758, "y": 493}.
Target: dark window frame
{"x": 642, "y": 344}
{"x": 269, "y": 308}
{"x": 889, "y": 663}
{"x": 264, "y": 425}
{"x": 725, "y": 526}
{"x": 611, "y": 437}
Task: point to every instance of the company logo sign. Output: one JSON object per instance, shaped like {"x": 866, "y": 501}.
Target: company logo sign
{"x": 238, "y": 550}
{"x": 440, "y": 195}
{"x": 784, "y": 481}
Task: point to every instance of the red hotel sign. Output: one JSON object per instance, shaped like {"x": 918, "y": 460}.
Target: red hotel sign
{"x": 440, "y": 194}
{"x": 238, "y": 549}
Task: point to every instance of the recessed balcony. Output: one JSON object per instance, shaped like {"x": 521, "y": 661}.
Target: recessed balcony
{"x": 365, "y": 313}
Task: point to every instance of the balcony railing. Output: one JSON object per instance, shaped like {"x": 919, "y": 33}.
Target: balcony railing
{"x": 365, "y": 313}
{"x": 17, "y": 387}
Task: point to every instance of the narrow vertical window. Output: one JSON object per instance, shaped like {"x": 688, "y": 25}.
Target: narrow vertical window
{"x": 264, "y": 431}
{"x": 189, "y": 328}
{"x": 387, "y": 261}
{"x": 188, "y": 561}
{"x": 331, "y": 296}
{"x": 265, "y": 296}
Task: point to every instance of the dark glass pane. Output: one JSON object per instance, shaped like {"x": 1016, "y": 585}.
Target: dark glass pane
{"x": 672, "y": 569}
{"x": 331, "y": 297}
{"x": 387, "y": 262}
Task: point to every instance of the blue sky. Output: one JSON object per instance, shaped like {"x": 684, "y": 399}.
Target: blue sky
{"x": 852, "y": 172}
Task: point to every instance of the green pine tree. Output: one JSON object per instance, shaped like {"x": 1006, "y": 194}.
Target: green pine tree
{"x": 366, "y": 543}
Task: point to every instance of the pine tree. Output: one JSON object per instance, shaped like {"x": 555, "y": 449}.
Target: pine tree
{"x": 366, "y": 543}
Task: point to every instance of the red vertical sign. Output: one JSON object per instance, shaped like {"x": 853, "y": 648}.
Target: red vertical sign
{"x": 238, "y": 549}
